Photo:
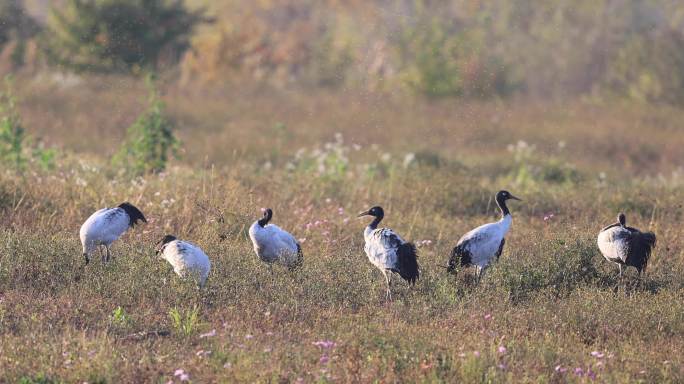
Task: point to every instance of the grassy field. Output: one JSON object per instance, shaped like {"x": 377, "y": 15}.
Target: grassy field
{"x": 551, "y": 310}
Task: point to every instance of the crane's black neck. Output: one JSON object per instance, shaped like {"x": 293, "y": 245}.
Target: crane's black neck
{"x": 267, "y": 217}
{"x": 376, "y": 221}
{"x": 501, "y": 202}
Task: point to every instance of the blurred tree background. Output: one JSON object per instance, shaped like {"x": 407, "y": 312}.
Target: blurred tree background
{"x": 603, "y": 49}
{"x": 118, "y": 35}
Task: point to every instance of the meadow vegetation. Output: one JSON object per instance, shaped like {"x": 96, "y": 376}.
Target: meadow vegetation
{"x": 537, "y": 316}
{"x": 319, "y": 140}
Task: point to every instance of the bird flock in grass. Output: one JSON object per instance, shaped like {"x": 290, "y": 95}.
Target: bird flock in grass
{"x": 385, "y": 248}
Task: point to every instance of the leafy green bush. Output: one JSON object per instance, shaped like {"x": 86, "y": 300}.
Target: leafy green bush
{"x": 330, "y": 161}
{"x": 444, "y": 58}
{"x": 330, "y": 61}
{"x": 118, "y": 35}
{"x": 16, "y": 147}
{"x": 12, "y": 133}
{"x": 529, "y": 169}
{"x": 119, "y": 318}
{"x": 149, "y": 141}
{"x": 433, "y": 51}
{"x": 649, "y": 68}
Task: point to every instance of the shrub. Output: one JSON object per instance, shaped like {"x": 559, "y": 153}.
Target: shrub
{"x": 119, "y": 318}
{"x": 331, "y": 161}
{"x": 16, "y": 147}
{"x": 118, "y": 35}
{"x": 433, "y": 54}
{"x": 149, "y": 141}
{"x": 331, "y": 61}
{"x": 529, "y": 168}
{"x": 12, "y": 133}
{"x": 649, "y": 68}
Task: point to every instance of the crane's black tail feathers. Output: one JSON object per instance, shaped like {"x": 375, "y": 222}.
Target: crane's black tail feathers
{"x": 642, "y": 246}
{"x": 407, "y": 257}
{"x": 649, "y": 238}
{"x": 460, "y": 257}
{"x": 133, "y": 213}
{"x": 299, "y": 261}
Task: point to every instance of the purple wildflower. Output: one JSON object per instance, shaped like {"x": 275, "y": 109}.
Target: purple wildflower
{"x": 326, "y": 344}
{"x": 591, "y": 374}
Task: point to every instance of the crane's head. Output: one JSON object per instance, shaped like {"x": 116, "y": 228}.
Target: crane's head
{"x": 376, "y": 211}
{"x": 505, "y": 195}
{"x": 161, "y": 243}
{"x": 268, "y": 214}
{"x": 622, "y": 219}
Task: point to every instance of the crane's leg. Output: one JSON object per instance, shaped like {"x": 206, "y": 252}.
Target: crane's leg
{"x": 388, "y": 295}
{"x": 482, "y": 272}
{"x": 99, "y": 249}
{"x": 620, "y": 267}
{"x": 109, "y": 253}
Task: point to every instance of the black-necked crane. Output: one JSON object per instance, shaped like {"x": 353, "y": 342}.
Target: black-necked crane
{"x": 388, "y": 251}
{"x": 187, "y": 259}
{"x": 272, "y": 244}
{"x": 485, "y": 243}
{"x": 103, "y": 227}
{"x": 625, "y": 245}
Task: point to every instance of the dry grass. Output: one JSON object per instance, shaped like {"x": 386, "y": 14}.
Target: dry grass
{"x": 550, "y": 301}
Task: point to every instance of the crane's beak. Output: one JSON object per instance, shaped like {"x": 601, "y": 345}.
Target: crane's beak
{"x": 365, "y": 213}
{"x": 515, "y": 198}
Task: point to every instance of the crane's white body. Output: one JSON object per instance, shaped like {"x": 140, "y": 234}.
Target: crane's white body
{"x": 389, "y": 252}
{"x": 613, "y": 244}
{"x": 484, "y": 242}
{"x": 381, "y": 247}
{"x": 272, "y": 244}
{"x": 103, "y": 228}
{"x": 188, "y": 260}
